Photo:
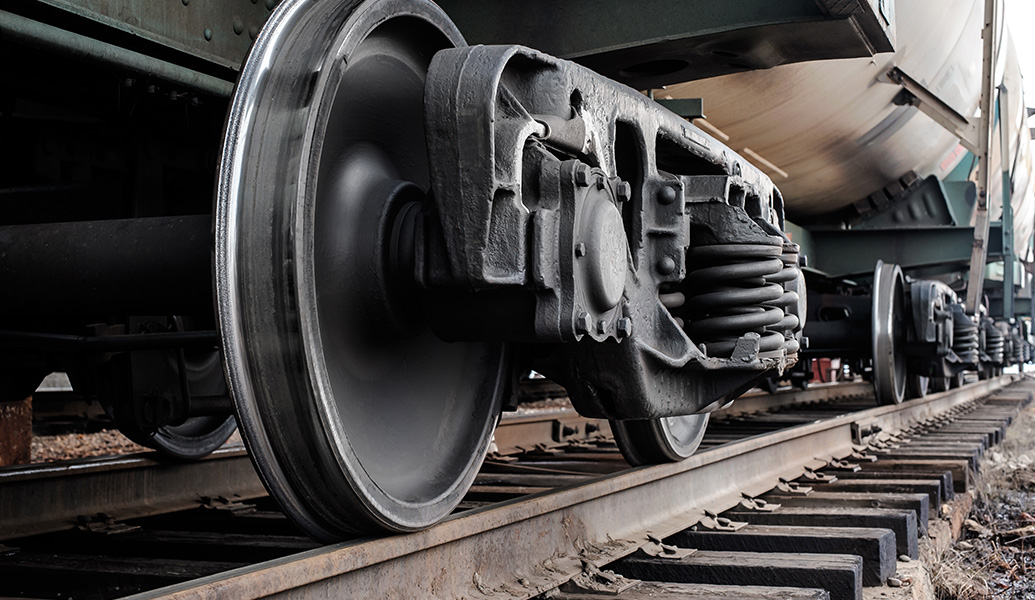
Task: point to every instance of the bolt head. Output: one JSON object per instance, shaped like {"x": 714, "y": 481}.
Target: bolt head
{"x": 582, "y": 322}
{"x": 625, "y": 327}
{"x": 666, "y": 266}
{"x": 582, "y": 175}
{"x": 667, "y": 195}
{"x": 601, "y": 326}
{"x": 624, "y": 191}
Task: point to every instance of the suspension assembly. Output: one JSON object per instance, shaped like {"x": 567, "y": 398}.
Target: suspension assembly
{"x": 642, "y": 260}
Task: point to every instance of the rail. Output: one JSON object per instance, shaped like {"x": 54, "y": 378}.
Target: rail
{"x": 526, "y": 546}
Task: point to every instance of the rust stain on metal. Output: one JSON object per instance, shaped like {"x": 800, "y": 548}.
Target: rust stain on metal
{"x": 16, "y": 432}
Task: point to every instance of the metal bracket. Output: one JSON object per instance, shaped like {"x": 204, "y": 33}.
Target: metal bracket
{"x": 861, "y": 456}
{"x": 916, "y": 94}
{"x": 816, "y": 476}
{"x": 595, "y": 581}
{"x": 716, "y": 523}
{"x": 842, "y": 465}
{"x": 793, "y": 487}
{"x": 224, "y": 504}
{"x": 655, "y": 548}
{"x": 104, "y": 524}
{"x": 757, "y": 504}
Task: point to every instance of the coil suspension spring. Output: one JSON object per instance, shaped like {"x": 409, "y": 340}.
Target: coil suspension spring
{"x": 1016, "y": 349}
{"x": 965, "y": 335}
{"x": 737, "y": 289}
{"x": 994, "y": 343}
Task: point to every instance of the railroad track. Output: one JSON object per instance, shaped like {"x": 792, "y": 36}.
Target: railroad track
{"x": 549, "y": 516}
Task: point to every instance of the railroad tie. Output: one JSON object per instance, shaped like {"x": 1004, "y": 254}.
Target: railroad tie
{"x": 839, "y": 574}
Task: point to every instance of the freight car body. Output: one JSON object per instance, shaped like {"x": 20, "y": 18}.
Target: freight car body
{"x": 868, "y": 177}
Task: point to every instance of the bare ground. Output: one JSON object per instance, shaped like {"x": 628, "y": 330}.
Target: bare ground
{"x": 995, "y": 557}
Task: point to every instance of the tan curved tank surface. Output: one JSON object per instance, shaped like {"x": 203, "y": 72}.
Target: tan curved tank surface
{"x": 829, "y": 133}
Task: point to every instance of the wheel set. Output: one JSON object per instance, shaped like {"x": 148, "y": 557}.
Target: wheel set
{"x": 356, "y": 411}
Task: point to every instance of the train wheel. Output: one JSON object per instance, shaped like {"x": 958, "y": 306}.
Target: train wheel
{"x": 917, "y": 385}
{"x": 940, "y": 384}
{"x": 133, "y": 384}
{"x": 889, "y": 334}
{"x": 654, "y": 441}
{"x": 357, "y": 416}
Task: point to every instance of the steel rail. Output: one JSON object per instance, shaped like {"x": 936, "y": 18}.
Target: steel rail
{"x": 52, "y": 497}
{"x": 530, "y": 545}
{"x": 525, "y": 429}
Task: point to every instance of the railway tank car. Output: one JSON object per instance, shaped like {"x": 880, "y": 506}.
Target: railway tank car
{"x": 883, "y": 196}
{"x": 404, "y": 222}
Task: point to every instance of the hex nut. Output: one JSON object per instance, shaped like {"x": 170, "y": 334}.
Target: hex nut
{"x": 582, "y": 174}
{"x": 623, "y": 191}
{"x": 625, "y": 327}
{"x": 580, "y": 249}
{"x": 601, "y": 326}
{"x": 582, "y": 322}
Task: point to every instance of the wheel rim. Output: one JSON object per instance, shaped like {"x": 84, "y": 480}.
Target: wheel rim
{"x": 197, "y": 436}
{"x": 192, "y": 439}
{"x": 918, "y": 385}
{"x": 654, "y": 441}
{"x": 940, "y": 384}
{"x": 889, "y": 360}
{"x": 347, "y": 402}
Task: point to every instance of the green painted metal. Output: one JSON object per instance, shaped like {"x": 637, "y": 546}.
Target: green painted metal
{"x": 926, "y": 204}
{"x": 801, "y": 236}
{"x": 219, "y": 31}
{"x": 33, "y": 33}
{"x": 1009, "y": 253}
{"x": 853, "y": 252}
{"x": 651, "y": 43}
{"x": 1021, "y": 308}
{"x": 688, "y": 108}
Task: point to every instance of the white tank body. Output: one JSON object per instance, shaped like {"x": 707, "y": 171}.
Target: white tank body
{"x": 831, "y": 128}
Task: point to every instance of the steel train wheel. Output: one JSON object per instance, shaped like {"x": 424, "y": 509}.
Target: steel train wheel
{"x": 654, "y": 441}
{"x": 132, "y": 375}
{"x": 889, "y": 334}
{"x": 940, "y": 384}
{"x": 917, "y": 386}
{"x": 197, "y": 436}
{"x": 357, "y": 417}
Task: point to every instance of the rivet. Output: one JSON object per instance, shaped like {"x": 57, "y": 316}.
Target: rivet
{"x": 580, "y": 249}
{"x": 666, "y": 266}
{"x": 270, "y": 4}
{"x": 667, "y": 195}
{"x": 208, "y": 34}
{"x": 238, "y": 25}
{"x": 582, "y": 173}
{"x": 185, "y": 2}
{"x": 253, "y": 32}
